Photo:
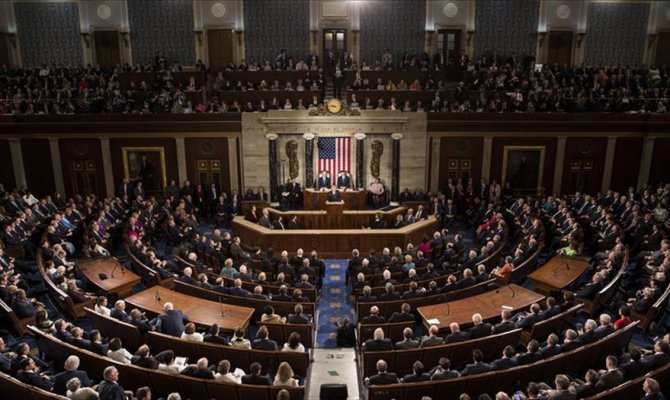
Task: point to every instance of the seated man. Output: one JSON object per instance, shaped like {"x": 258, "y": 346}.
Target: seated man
{"x": 172, "y": 321}
{"x": 478, "y": 366}
{"x": 407, "y": 342}
{"x": 333, "y": 195}
{"x": 378, "y": 342}
{"x": 383, "y": 377}
{"x": 255, "y": 378}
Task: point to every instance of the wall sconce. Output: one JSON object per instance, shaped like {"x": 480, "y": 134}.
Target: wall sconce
{"x": 87, "y": 39}
{"x": 468, "y": 37}
{"x": 198, "y": 34}
{"x": 580, "y": 39}
{"x": 541, "y": 36}
{"x": 125, "y": 36}
{"x": 650, "y": 40}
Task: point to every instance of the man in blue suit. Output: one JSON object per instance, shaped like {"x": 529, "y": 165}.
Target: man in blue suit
{"x": 324, "y": 181}
{"x": 70, "y": 366}
{"x": 344, "y": 180}
{"x": 172, "y": 321}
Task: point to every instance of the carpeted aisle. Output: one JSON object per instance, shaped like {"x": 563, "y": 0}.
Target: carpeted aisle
{"x": 334, "y": 303}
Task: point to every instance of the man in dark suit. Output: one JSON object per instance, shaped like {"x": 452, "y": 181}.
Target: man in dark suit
{"x": 374, "y": 317}
{"x": 532, "y": 353}
{"x": 378, "y": 342}
{"x": 456, "y": 335}
{"x": 418, "y": 374}
{"x": 552, "y": 347}
{"x": 506, "y": 361}
{"x": 407, "y": 342}
{"x": 652, "y": 390}
{"x": 660, "y": 356}
{"x": 298, "y": 317}
{"x": 172, "y": 321}
{"x": 324, "y": 181}
{"x": 215, "y": 336}
{"x": 109, "y": 387}
{"x": 70, "y": 366}
{"x": 255, "y": 378}
{"x": 478, "y": 366}
{"x": 635, "y": 367}
{"x": 366, "y": 297}
{"x": 443, "y": 371}
{"x": 237, "y": 289}
{"x": 505, "y": 325}
{"x": 294, "y": 193}
{"x": 481, "y": 329}
{"x": 199, "y": 370}
{"x": 27, "y": 373}
{"x": 143, "y": 358}
{"x": 404, "y": 315}
{"x": 528, "y": 319}
{"x": 612, "y": 377}
{"x": 590, "y": 290}
{"x": 344, "y": 180}
{"x": 433, "y": 338}
{"x": 262, "y": 342}
{"x": 334, "y": 195}
{"x": 383, "y": 377}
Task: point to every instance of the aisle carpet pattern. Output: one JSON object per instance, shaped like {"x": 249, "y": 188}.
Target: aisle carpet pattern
{"x": 334, "y": 303}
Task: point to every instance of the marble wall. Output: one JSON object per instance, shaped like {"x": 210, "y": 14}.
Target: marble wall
{"x": 616, "y": 33}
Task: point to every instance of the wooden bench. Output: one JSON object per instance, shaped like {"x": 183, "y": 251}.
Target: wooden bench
{"x": 20, "y": 325}
{"x": 12, "y": 388}
{"x": 648, "y": 318}
{"x": 401, "y": 361}
{"x": 132, "y": 377}
{"x": 111, "y": 327}
{"x": 556, "y": 324}
{"x": 633, "y": 389}
{"x": 519, "y": 273}
{"x": 62, "y": 299}
{"x": 509, "y": 380}
{"x": 590, "y": 306}
{"x": 239, "y": 358}
{"x": 392, "y": 330}
{"x": 149, "y": 276}
{"x": 387, "y": 308}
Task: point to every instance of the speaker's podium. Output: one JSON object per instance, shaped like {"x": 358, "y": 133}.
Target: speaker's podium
{"x": 335, "y": 212}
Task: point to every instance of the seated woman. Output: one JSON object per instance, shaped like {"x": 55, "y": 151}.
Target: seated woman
{"x": 238, "y": 341}
{"x": 190, "y": 334}
{"x": 284, "y": 376}
{"x": 269, "y": 316}
{"x": 293, "y": 343}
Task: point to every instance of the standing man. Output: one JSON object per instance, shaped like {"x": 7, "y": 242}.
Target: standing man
{"x": 344, "y": 180}
{"x": 324, "y": 180}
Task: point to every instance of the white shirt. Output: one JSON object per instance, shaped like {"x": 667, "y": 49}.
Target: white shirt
{"x": 193, "y": 337}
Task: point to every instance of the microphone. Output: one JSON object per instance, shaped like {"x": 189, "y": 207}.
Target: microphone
{"x": 157, "y": 296}
{"x": 223, "y": 313}
{"x": 512, "y": 289}
{"x": 114, "y": 269}
{"x": 446, "y": 301}
{"x": 565, "y": 264}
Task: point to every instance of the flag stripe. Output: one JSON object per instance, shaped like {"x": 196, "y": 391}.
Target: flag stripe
{"x": 334, "y": 155}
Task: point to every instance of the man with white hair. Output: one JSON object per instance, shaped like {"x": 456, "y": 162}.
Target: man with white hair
{"x": 119, "y": 312}
{"x": 378, "y": 342}
{"x": 172, "y": 321}
{"x": 481, "y": 329}
{"x": 70, "y": 366}
{"x": 187, "y": 276}
{"x": 109, "y": 388}
{"x": 383, "y": 377}
{"x": 374, "y": 317}
{"x": 199, "y": 370}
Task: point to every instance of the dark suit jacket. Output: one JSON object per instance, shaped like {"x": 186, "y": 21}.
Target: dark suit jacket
{"x": 481, "y": 330}
{"x": 402, "y": 317}
{"x": 121, "y": 316}
{"x": 609, "y": 380}
{"x": 298, "y": 319}
{"x": 407, "y": 344}
{"x": 475, "y": 368}
{"x": 444, "y": 375}
{"x": 146, "y": 362}
{"x": 632, "y": 370}
{"x": 503, "y": 363}
{"x": 456, "y": 337}
{"x": 61, "y": 379}
{"x": 172, "y": 323}
{"x": 373, "y": 319}
{"x": 194, "y": 371}
{"x": 385, "y": 378}
{"x": 377, "y": 345}
{"x": 256, "y": 380}
{"x": 432, "y": 341}
{"x": 529, "y": 358}
{"x": 264, "y": 344}
{"x": 504, "y": 326}
{"x": 109, "y": 390}
{"x": 416, "y": 378}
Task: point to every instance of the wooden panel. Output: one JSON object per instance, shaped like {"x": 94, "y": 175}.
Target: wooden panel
{"x": 38, "y": 167}
{"x": 6, "y": 166}
{"x": 662, "y": 46}
{"x": 220, "y": 46}
{"x": 626, "y": 166}
{"x": 461, "y": 148}
{"x": 208, "y": 149}
{"x": 168, "y": 145}
{"x": 81, "y": 150}
{"x": 560, "y": 48}
{"x": 107, "y": 48}
{"x": 4, "y": 49}
{"x": 592, "y": 149}
{"x": 549, "y": 144}
{"x": 660, "y": 162}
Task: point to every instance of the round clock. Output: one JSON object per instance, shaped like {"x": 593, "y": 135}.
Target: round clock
{"x": 334, "y": 106}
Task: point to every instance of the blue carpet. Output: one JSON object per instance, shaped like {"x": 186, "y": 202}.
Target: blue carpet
{"x": 334, "y": 303}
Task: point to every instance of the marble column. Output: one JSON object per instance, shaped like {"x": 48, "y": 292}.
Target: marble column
{"x": 435, "y": 148}
{"x": 609, "y": 164}
{"x": 232, "y": 163}
{"x": 57, "y": 166}
{"x": 360, "y": 160}
{"x": 486, "y": 157}
{"x": 309, "y": 160}
{"x": 645, "y": 162}
{"x": 107, "y": 166}
{"x": 395, "y": 167}
{"x": 272, "y": 147}
{"x": 560, "y": 161}
{"x": 181, "y": 159}
{"x": 17, "y": 163}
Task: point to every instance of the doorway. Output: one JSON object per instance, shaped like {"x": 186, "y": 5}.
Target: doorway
{"x": 560, "y": 48}
{"x": 449, "y": 42}
{"x": 107, "y": 51}
{"x": 334, "y": 46}
{"x": 220, "y": 47}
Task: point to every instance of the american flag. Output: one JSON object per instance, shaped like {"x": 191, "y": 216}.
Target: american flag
{"x": 334, "y": 155}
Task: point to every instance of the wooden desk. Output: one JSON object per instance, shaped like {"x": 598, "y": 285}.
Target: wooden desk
{"x": 337, "y": 218}
{"x": 119, "y": 283}
{"x": 487, "y": 304}
{"x": 558, "y": 273}
{"x": 201, "y": 312}
{"x": 316, "y": 200}
{"x": 333, "y": 243}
